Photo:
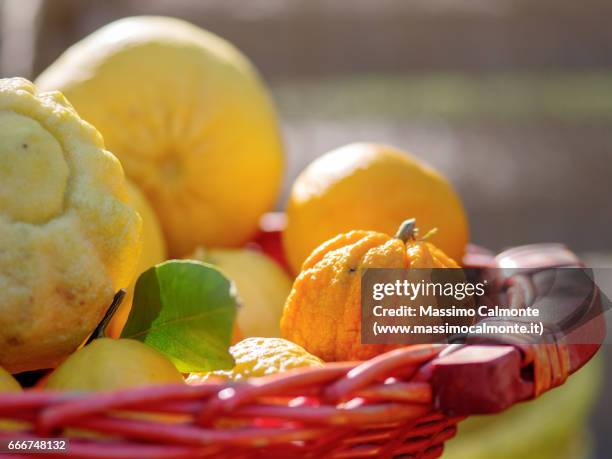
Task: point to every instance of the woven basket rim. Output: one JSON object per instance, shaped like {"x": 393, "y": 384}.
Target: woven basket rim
{"x": 383, "y": 407}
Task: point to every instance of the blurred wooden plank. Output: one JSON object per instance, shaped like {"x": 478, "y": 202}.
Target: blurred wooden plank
{"x": 288, "y": 38}
{"x": 18, "y": 36}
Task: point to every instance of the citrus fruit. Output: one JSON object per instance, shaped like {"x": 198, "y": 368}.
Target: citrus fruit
{"x": 10, "y": 384}
{"x": 258, "y": 356}
{"x": 189, "y": 118}
{"x": 7, "y": 382}
{"x": 153, "y": 252}
{"x": 370, "y": 187}
{"x": 68, "y": 238}
{"x": 323, "y": 311}
{"x": 262, "y": 287}
{"x": 109, "y": 364}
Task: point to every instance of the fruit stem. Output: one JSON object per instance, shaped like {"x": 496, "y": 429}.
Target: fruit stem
{"x": 99, "y": 331}
{"x": 407, "y": 230}
{"x": 429, "y": 233}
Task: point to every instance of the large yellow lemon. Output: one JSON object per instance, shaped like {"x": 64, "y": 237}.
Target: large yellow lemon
{"x": 373, "y": 187}
{"x": 189, "y": 118}
{"x": 68, "y": 238}
{"x": 153, "y": 252}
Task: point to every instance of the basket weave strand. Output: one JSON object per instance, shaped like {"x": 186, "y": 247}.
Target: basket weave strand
{"x": 346, "y": 410}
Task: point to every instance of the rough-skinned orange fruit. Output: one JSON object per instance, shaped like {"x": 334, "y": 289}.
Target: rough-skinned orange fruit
{"x": 323, "y": 311}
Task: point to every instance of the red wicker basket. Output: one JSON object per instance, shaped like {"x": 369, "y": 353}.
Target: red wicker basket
{"x": 403, "y": 404}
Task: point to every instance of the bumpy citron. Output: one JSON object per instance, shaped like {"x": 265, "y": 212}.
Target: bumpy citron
{"x": 68, "y": 238}
{"x": 109, "y": 364}
{"x": 189, "y": 118}
{"x": 262, "y": 286}
{"x": 256, "y": 357}
{"x": 323, "y": 311}
{"x": 153, "y": 252}
{"x": 370, "y": 187}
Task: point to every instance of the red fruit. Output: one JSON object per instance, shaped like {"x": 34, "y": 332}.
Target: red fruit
{"x": 268, "y": 239}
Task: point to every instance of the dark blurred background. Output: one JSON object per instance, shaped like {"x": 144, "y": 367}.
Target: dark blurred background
{"x": 511, "y": 99}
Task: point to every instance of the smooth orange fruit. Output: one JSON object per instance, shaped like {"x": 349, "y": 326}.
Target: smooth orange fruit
{"x": 370, "y": 187}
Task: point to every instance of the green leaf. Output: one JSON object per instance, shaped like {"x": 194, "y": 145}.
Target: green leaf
{"x": 185, "y": 309}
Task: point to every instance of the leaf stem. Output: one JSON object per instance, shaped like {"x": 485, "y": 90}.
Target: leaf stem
{"x": 99, "y": 331}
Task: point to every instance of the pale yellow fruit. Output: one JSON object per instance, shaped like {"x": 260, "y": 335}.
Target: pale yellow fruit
{"x": 10, "y": 384}
{"x": 373, "y": 187}
{"x": 7, "y": 382}
{"x": 109, "y": 364}
{"x": 262, "y": 286}
{"x": 256, "y": 357}
{"x": 153, "y": 252}
{"x": 189, "y": 118}
{"x": 68, "y": 238}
